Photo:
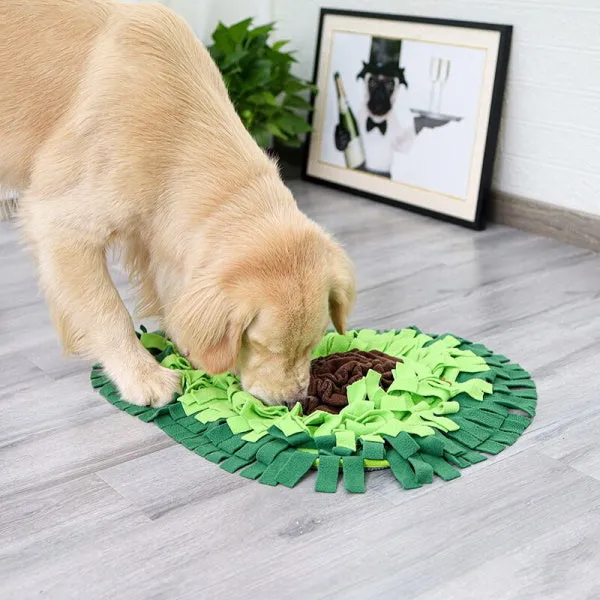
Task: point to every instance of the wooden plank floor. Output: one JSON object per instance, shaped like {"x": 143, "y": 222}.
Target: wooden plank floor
{"x": 95, "y": 504}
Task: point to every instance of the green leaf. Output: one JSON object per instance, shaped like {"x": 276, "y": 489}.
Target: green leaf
{"x": 261, "y": 136}
{"x": 263, "y": 98}
{"x": 239, "y": 31}
{"x": 292, "y": 142}
{"x": 281, "y": 58}
{"x": 294, "y": 101}
{"x": 262, "y": 30}
{"x": 260, "y": 74}
{"x": 279, "y": 45}
{"x": 247, "y": 118}
{"x": 215, "y": 53}
{"x": 292, "y": 123}
{"x": 276, "y": 131}
{"x": 223, "y": 40}
{"x": 233, "y": 58}
{"x": 294, "y": 85}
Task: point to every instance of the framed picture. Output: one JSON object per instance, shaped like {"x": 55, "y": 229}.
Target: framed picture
{"x": 408, "y": 110}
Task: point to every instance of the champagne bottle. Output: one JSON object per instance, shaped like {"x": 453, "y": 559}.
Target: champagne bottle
{"x": 354, "y": 152}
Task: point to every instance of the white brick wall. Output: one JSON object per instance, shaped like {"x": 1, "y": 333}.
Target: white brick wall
{"x": 550, "y": 139}
{"x": 203, "y": 15}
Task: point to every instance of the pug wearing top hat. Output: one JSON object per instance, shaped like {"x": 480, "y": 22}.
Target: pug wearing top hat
{"x": 383, "y": 128}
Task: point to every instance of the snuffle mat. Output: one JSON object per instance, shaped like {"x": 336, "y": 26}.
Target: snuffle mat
{"x": 417, "y": 405}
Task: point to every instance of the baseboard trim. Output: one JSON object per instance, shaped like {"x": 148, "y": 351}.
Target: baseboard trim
{"x": 540, "y": 218}
{"x": 546, "y": 220}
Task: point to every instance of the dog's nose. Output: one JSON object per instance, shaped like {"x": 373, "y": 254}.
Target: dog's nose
{"x": 291, "y": 402}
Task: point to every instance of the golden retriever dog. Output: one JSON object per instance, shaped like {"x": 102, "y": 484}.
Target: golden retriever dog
{"x": 116, "y": 129}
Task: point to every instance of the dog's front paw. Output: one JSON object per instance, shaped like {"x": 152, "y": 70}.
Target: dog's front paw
{"x": 150, "y": 385}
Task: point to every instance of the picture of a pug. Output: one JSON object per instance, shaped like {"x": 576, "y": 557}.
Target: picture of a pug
{"x": 384, "y": 128}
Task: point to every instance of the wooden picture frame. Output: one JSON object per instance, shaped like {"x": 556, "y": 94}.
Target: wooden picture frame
{"x": 408, "y": 111}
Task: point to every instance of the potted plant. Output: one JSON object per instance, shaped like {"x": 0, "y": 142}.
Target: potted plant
{"x": 268, "y": 97}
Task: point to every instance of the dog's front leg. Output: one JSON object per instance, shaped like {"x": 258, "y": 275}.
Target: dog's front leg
{"x": 93, "y": 321}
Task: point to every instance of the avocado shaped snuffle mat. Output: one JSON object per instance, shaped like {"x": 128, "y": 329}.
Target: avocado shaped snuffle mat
{"x": 418, "y": 405}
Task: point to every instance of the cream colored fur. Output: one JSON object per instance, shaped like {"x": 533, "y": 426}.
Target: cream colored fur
{"x": 116, "y": 130}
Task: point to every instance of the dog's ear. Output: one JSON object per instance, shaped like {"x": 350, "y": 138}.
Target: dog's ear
{"x": 211, "y": 329}
{"x": 342, "y": 292}
{"x": 221, "y": 352}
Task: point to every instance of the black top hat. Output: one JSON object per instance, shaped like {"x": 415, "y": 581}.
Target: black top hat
{"x": 384, "y": 60}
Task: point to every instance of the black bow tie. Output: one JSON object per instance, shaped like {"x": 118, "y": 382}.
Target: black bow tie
{"x": 382, "y": 125}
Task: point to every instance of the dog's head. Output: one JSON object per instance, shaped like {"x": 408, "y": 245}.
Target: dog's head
{"x": 380, "y": 94}
{"x": 262, "y": 313}
{"x": 382, "y": 83}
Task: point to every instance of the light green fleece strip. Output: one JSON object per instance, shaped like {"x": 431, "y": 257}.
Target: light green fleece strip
{"x": 418, "y": 402}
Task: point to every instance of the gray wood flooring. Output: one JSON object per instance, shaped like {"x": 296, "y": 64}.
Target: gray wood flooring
{"x": 95, "y": 504}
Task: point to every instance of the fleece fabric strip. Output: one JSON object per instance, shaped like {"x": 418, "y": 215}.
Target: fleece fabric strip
{"x": 443, "y": 404}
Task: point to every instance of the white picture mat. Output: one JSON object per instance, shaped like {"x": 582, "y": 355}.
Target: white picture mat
{"x": 417, "y": 185}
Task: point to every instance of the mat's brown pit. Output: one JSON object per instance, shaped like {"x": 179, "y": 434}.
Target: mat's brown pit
{"x": 331, "y": 375}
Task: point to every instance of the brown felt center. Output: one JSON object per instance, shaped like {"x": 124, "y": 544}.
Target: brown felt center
{"x": 331, "y": 375}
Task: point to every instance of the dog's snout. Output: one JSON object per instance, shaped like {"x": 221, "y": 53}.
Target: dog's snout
{"x": 293, "y": 401}
{"x": 282, "y": 397}
{"x": 297, "y": 397}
